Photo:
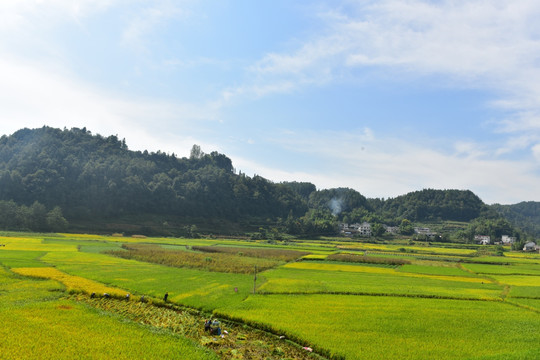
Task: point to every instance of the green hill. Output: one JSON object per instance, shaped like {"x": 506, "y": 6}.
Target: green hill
{"x": 525, "y": 215}
{"x": 48, "y": 176}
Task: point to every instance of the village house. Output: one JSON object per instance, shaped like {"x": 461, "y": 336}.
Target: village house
{"x": 363, "y": 229}
{"x": 508, "y": 240}
{"x": 482, "y": 239}
{"x": 425, "y": 231}
{"x": 530, "y": 246}
{"x": 391, "y": 229}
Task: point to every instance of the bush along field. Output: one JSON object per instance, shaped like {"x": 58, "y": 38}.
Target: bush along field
{"x": 294, "y": 299}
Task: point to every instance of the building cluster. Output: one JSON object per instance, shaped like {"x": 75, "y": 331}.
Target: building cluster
{"x": 531, "y": 246}
{"x": 363, "y": 229}
{"x": 486, "y": 240}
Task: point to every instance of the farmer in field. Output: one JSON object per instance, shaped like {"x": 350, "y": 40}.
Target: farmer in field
{"x": 166, "y": 296}
{"x": 208, "y": 325}
{"x": 216, "y": 327}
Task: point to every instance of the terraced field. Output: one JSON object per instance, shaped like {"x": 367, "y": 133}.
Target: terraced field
{"x": 442, "y": 303}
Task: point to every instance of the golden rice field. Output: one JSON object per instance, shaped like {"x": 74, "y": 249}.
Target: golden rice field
{"x": 72, "y": 283}
{"x": 443, "y": 303}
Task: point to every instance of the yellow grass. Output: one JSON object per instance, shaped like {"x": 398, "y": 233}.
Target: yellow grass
{"x": 315, "y": 256}
{"x": 32, "y": 244}
{"x": 517, "y": 280}
{"x": 69, "y": 281}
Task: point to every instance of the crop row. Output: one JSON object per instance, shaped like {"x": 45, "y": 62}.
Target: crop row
{"x": 221, "y": 262}
{"x": 277, "y": 254}
{"x": 366, "y": 259}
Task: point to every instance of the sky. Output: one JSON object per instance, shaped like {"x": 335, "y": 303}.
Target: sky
{"x": 385, "y": 97}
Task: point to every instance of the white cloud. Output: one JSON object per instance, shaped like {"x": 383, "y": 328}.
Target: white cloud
{"x": 536, "y": 151}
{"x": 489, "y": 45}
{"x": 155, "y": 14}
{"x": 33, "y": 96}
{"x": 383, "y": 167}
{"x": 21, "y": 13}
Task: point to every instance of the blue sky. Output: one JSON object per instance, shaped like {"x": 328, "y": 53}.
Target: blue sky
{"x": 384, "y": 96}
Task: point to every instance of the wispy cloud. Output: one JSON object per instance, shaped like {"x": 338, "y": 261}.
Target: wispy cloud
{"x": 488, "y": 45}
{"x": 34, "y": 95}
{"x": 18, "y": 13}
{"x": 388, "y": 167}
{"x": 151, "y": 15}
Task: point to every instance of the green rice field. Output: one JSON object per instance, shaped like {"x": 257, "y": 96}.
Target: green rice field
{"x": 442, "y": 303}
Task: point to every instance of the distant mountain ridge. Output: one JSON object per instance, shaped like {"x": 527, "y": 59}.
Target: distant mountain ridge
{"x": 97, "y": 180}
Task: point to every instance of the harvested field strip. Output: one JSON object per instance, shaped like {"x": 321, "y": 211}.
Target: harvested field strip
{"x": 72, "y": 283}
{"x": 240, "y": 342}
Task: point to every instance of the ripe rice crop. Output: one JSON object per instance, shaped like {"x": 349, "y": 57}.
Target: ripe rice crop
{"x": 221, "y": 262}
{"x": 277, "y": 254}
{"x": 33, "y": 244}
{"x": 72, "y": 283}
{"x": 366, "y": 259}
{"x": 518, "y": 280}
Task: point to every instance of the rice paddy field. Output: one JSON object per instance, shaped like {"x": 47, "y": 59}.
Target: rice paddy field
{"x": 443, "y": 302}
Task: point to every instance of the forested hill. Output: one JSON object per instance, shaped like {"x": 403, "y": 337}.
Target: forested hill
{"x": 91, "y": 176}
{"x": 433, "y": 205}
{"x": 96, "y": 182}
{"x": 525, "y": 215}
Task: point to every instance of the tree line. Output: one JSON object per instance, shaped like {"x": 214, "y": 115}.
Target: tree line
{"x": 84, "y": 177}
{"x": 31, "y": 218}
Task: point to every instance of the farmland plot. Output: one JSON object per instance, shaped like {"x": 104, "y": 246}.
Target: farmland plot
{"x": 372, "y": 327}
{"x": 431, "y": 308}
{"x": 38, "y": 324}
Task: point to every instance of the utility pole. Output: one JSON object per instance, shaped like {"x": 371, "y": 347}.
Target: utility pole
{"x": 255, "y": 280}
